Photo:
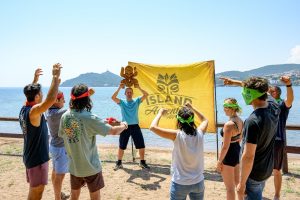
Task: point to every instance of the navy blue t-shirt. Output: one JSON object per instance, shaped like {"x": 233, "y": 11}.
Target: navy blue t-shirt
{"x": 281, "y": 132}
{"x": 36, "y": 144}
{"x": 260, "y": 129}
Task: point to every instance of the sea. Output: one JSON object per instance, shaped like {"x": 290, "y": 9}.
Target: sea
{"x": 12, "y": 98}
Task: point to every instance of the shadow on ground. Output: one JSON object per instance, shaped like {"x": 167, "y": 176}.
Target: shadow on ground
{"x": 152, "y": 176}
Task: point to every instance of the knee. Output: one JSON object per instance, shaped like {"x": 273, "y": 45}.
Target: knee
{"x": 37, "y": 191}
{"x": 230, "y": 190}
{"x": 59, "y": 177}
{"x": 276, "y": 172}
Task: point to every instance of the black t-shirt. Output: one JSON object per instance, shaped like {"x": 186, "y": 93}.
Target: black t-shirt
{"x": 36, "y": 144}
{"x": 260, "y": 129}
{"x": 284, "y": 112}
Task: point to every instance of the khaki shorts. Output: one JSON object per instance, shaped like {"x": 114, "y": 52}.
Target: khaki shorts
{"x": 94, "y": 182}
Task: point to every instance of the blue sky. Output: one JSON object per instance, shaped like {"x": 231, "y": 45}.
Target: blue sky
{"x": 95, "y": 36}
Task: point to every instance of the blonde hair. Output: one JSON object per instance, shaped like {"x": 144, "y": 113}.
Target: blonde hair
{"x": 234, "y": 101}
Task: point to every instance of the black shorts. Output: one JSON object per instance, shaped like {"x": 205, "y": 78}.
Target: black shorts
{"x": 278, "y": 154}
{"x": 135, "y": 132}
{"x": 232, "y": 157}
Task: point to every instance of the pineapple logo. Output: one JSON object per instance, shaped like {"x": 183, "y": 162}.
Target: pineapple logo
{"x": 167, "y": 84}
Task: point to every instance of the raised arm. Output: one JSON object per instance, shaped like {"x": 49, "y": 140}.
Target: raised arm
{"x": 229, "y": 81}
{"x": 114, "y": 96}
{"x": 204, "y": 122}
{"x": 145, "y": 94}
{"x": 38, "y": 72}
{"x": 38, "y": 109}
{"x": 289, "y": 91}
{"x": 162, "y": 132}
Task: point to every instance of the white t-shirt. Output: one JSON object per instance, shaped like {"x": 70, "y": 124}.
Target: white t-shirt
{"x": 188, "y": 159}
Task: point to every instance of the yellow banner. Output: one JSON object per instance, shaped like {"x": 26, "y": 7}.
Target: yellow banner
{"x": 171, "y": 86}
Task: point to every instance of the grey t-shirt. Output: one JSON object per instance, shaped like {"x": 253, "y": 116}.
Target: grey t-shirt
{"x": 53, "y": 116}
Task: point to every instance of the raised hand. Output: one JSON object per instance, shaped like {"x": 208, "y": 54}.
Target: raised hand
{"x": 56, "y": 70}
{"x": 229, "y": 81}
{"x": 189, "y": 105}
{"x": 226, "y": 81}
{"x": 38, "y": 72}
{"x": 286, "y": 80}
{"x": 162, "y": 111}
{"x": 122, "y": 85}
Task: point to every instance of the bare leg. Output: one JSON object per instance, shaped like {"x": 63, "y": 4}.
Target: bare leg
{"x": 75, "y": 194}
{"x": 142, "y": 154}
{"x": 36, "y": 192}
{"x": 229, "y": 181}
{"x": 57, "y": 180}
{"x": 95, "y": 195}
{"x": 277, "y": 182}
{"x": 237, "y": 174}
{"x": 120, "y": 154}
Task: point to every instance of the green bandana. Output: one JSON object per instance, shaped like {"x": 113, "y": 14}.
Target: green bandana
{"x": 231, "y": 105}
{"x": 278, "y": 100}
{"x": 250, "y": 94}
{"x": 189, "y": 120}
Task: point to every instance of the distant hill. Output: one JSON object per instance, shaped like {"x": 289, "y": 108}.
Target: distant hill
{"x": 106, "y": 79}
{"x": 271, "y": 72}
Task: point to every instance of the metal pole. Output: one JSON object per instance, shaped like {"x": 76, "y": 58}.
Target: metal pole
{"x": 216, "y": 116}
{"x": 133, "y": 158}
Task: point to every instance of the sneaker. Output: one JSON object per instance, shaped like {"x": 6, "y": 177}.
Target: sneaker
{"x": 118, "y": 166}
{"x": 144, "y": 165}
{"x": 64, "y": 196}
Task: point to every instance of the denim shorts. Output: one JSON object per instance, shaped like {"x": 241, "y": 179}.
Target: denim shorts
{"x": 59, "y": 159}
{"x": 180, "y": 192}
{"x": 254, "y": 189}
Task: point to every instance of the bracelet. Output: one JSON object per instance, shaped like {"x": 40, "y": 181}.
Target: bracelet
{"x": 290, "y": 85}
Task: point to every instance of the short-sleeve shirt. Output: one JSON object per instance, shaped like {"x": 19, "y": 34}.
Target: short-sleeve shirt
{"x": 260, "y": 129}
{"x": 53, "y": 116}
{"x": 130, "y": 110}
{"x": 79, "y": 130}
{"x": 188, "y": 159}
{"x": 284, "y": 112}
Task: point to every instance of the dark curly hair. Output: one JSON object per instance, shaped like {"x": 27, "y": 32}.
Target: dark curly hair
{"x": 31, "y": 90}
{"x": 258, "y": 83}
{"x": 81, "y": 104}
{"x": 189, "y": 129}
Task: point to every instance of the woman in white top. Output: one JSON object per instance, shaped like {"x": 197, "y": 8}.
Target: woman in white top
{"x": 187, "y": 155}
